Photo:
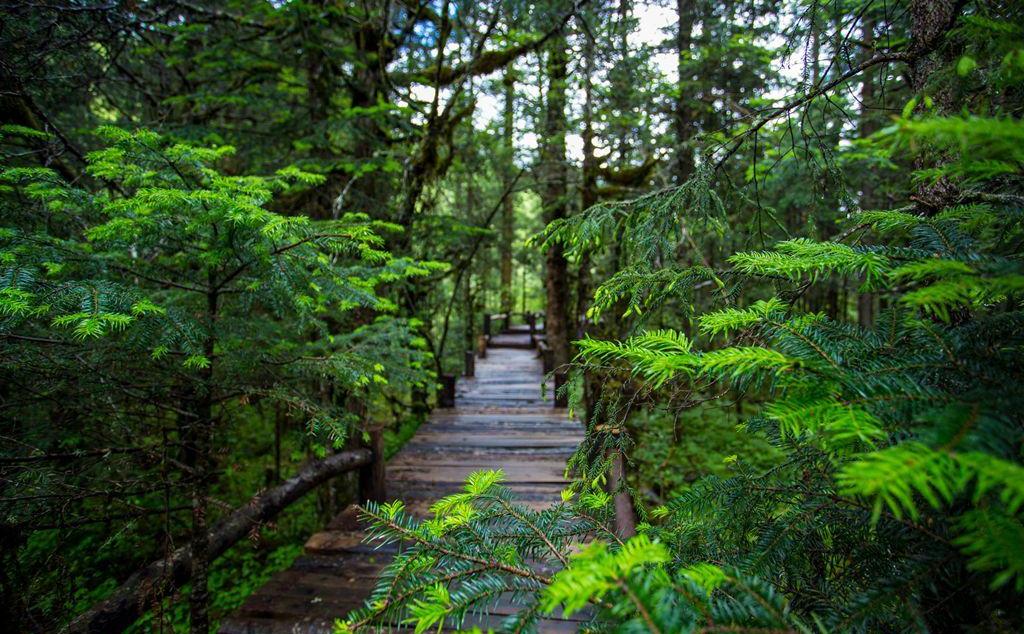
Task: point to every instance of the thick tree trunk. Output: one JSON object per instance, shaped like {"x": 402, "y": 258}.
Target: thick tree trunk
{"x": 155, "y": 581}
{"x": 553, "y": 195}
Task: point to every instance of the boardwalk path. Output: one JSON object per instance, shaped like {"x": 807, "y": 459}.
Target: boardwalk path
{"x": 500, "y": 421}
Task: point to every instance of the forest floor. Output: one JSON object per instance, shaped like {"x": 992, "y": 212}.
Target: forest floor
{"x": 501, "y": 420}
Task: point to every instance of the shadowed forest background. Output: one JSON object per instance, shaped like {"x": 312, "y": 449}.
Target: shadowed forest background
{"x": 775, "y": 247}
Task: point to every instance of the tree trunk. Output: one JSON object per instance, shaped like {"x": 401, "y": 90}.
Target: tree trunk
{"x": 625, "y": 515}
{"x": 588, "y": 191}
{"x": 684, "y": 119}
{"x": 201, "y": 463}
{"x": 553, "y": 196}
{"x": 507, "y": 211}
{"x": 868, "y": 125}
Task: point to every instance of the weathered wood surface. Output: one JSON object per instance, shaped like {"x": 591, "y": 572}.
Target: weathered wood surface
{"x": 502, "y": 420}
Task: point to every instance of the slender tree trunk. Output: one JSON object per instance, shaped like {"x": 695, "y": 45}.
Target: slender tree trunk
{"x": 554, "y": 174}
{"x": 202, "y": 448}
{"x": 467, "y": 282}
{"x": 684, "y": 119}
{"x": 469, "y": 335}
{"x": 199, "y": 596}
{"x": 507, "y": 211}
{"x": 588, "y": 192}
{"x": 625, "y": 515}
{"x": 868, "y": 125}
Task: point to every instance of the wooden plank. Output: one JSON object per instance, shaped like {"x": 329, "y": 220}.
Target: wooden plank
{"x": 515, "y": 463}
{"x": 459, "y": 474}
{"x": 523, "y": 441}
{"x": 342, "y": 542}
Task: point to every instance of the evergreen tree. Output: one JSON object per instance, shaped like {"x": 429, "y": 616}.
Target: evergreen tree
{"x": 895, "y": 502}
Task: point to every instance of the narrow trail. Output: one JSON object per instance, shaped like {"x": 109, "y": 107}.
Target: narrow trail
{"x": 500, "y": 421}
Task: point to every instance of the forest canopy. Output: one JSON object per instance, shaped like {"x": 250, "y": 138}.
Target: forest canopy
{"x": 775, "y": 248}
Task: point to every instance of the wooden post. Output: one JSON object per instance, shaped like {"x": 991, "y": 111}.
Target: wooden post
{"x": 481, "y": 345}
{"x": 371, "y": 477}
{"x": 446, "y": 395}
{"x": 548, "y": 355}
{"x": 487, "y": 325}
{"x": 531, "y": 320}
{"x": 561, "y": 398}
{"x": 470, "y": 363}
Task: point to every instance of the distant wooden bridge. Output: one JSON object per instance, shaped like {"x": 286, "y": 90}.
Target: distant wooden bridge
{"x": 499, "y": 420}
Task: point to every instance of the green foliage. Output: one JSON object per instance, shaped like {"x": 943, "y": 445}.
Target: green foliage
{"x": 645, "y": 290}
{"x": 175, "y": 297}
{"x": 441, "y": 577}
{"x": 892, "y": 500}
{"x": 645, "y": 227}
{"x": 802, "y": 258}
{"x": 722, "y": 321}
{"x": 168, "y": 321}
{"x": 473, "y": 549}
{"x": 595, "y": 571}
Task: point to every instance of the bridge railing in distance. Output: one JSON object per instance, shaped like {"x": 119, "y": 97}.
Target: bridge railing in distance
{"x": 504, "y": 321}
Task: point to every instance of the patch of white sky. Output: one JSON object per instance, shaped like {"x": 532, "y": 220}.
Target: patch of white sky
{"x": 655, "y": 26}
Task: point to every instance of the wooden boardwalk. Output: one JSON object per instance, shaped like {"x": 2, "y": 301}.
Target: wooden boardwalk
{"x": 500, "y": 421}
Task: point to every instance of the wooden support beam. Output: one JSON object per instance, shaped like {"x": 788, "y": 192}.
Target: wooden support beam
{"x": 470, "y": 364}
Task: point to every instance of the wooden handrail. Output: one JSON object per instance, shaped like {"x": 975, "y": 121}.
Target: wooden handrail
{"x": 162, "y": 577}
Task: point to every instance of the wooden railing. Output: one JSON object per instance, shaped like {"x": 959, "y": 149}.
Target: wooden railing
{"x": 505, "y": 321}
{"x": 165, "y": 575}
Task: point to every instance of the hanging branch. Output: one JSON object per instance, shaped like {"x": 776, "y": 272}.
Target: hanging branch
{"x": 806, "y": 98}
